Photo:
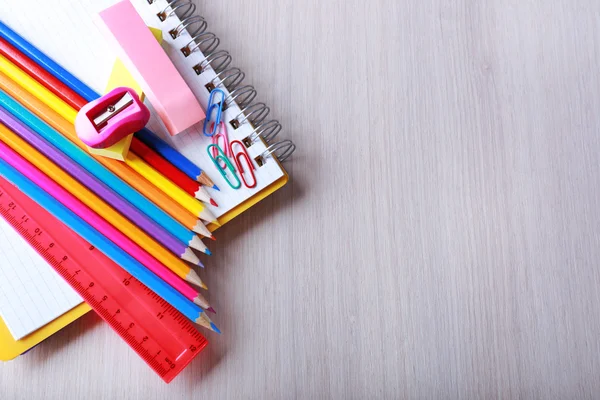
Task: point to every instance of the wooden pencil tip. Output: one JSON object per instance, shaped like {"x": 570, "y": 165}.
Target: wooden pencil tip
{"x": 189, "y": 256}
{"x": 214, "y": 203}
{"x": 197, "y": 244}
{"x": 201, "y": 229}
{"x": 207, "y": 216}
{"x": 193, "y": 278}
{"x": 216, "y": 188}
{"x": 204, "y": 321}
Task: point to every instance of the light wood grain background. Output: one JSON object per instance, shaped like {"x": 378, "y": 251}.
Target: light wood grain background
{"x": 439, "y": 237}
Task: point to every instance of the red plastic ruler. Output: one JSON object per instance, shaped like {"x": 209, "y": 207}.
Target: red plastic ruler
{"x": 163, "y": 337}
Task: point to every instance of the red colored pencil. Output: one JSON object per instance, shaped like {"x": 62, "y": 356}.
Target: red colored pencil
{"x": 192, "y": 187}
{"x": 74, "y": 100}
{"x": 41, "y": 75}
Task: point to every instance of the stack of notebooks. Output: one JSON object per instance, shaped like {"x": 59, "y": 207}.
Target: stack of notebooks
{"x": 170, "y": 178}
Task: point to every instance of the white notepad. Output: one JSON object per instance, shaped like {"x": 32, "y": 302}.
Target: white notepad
{"x": 31, "y": 293}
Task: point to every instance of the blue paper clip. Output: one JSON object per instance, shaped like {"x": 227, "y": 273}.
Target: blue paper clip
{"x": 213, "y": 107}
{"x": 221, "y": 157}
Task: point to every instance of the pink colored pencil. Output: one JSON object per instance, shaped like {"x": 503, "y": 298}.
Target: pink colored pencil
{"x": 114, "y": 235}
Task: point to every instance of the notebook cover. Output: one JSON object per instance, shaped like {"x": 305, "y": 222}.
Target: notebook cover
{"x": 11, "y": 348}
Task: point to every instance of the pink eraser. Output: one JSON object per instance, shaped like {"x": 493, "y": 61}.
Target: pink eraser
{"x": 145, "y": 59}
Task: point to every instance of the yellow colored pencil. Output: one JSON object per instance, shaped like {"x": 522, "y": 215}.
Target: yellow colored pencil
{"x": 42, "y": 94}
{"x": 98, "y": 205}
{"x": 157, "y": 179}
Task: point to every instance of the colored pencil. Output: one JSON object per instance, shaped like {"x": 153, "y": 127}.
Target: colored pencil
{"x": 69, "y": 113}
{"x": 102, "y": 191}
{"x": 191, "y": 187}
{"x": 57, "y": 80}
{"x": 33, "y": 69}
{"x": 175, "y": 157}
{"x": 150, "y": 199}
{"x": 111, "y": 216}
{"x": 172, "y": 190}
{"x": 46, "y": 62}
{"x": 103, "y": 244}
{"x": 46, "y": 183}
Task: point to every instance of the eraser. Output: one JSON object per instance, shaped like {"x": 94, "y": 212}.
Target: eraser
{"x": 164, "y": 86}
{"x": 120, "y": 76}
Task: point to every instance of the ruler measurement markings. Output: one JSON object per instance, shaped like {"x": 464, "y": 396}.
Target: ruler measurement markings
{"x": 89, "y": 285}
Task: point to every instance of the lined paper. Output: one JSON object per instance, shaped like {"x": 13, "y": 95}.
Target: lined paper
{"x": 31, "y": 293}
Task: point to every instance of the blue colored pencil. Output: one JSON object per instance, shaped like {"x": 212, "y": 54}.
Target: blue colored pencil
{"x": 47, "y": 63}
{"x": 110, "y": 249}
{"x": 95, "y": 168}
{"x": 174, "y": 157}
{"x": 146, "y": 136}
{"x": 158, "y": 232}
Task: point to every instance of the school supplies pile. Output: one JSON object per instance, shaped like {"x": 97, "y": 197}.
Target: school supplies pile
{"x": 113, "y": 193}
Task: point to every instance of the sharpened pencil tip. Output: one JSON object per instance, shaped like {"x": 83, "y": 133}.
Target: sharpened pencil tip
{"x": 203, "y": 286}
{"x": 214, "y": 328}
{"x": 196, "y": 243}
{"x": 214, "y": 203}
{"x": 207, "y": 251}
{"x": 199, "y": 301}
{"x": 192, "y": 277}
{"x": 212, "y": 310}
{"x": 216, "y": 188}
{"x": 189, "y": 256}
{"x": 202, "y": 229}
{"x": 212, "y": 238}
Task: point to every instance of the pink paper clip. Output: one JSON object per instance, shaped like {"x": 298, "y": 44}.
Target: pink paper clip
{"x": 236, "y": 158}
{"x": 221, "y": 132}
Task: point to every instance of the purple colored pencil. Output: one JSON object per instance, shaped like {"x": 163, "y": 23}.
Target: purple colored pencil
{"x": 99, "y": 188}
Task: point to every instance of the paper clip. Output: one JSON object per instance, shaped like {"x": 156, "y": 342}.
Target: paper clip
{"x": 222, "y": 157}
{"x": 236, "y": 158}
{"x": 221, "y": 133}
{"x": 214, "y": 107}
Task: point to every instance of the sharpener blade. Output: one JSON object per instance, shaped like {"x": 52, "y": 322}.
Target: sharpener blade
{"x": 112, "y": 110}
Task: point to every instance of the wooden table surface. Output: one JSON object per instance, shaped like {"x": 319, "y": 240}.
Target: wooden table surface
{"x": 440, "y": 234}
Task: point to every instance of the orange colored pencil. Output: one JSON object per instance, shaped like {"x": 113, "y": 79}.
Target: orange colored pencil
{"x": 123, "y": 171}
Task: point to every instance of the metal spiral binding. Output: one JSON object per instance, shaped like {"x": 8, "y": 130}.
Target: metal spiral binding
{"x": 229, "y": 77}
{"x": 186, "y": 23}
{"x": 185, "y": 8}
{"x": 211, "y": 59}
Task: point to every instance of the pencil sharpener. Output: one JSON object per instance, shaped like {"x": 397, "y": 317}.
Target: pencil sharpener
{"x": 105, "y": 121}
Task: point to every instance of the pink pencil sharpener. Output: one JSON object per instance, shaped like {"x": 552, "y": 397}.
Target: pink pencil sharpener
{"x": 103, "y": 122}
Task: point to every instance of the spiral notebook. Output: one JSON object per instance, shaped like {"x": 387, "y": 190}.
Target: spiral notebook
{"x": 69, "y": 33}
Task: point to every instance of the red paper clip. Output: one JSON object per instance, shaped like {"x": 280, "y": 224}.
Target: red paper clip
{"x": 236, "y": 158}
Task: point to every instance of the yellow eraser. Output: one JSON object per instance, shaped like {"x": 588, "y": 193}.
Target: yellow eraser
{"x": 120, "y": 76}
